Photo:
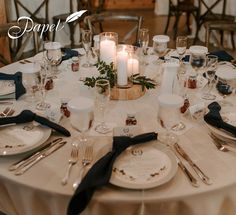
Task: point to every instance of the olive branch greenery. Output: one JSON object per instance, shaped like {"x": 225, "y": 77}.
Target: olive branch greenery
{"x": 108, "y": 72}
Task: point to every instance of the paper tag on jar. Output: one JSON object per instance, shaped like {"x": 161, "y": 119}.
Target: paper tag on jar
{"x": 197, "y": 111}
{"x": 129, "y": 131}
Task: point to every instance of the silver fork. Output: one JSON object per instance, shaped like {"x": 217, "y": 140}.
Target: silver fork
{"x": 87, "y": 159}
{"x": 74, "y": 155}
{"x": 218, "y": 144}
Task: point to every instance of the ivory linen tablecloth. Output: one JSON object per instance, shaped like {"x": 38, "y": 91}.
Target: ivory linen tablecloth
{"x": 39, "y": 190}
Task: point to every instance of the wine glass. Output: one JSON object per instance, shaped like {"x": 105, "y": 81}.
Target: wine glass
{"x": 44, "y": 72}
{"x": 181, "y": 46}
{"x": 160, "y": 43}
{"x": 143, "y": 40}
{"x": 87, "y": 42}
{"x": 198, "y": 60}
{"x": 54, "y": 56}
{"x": 102, "y": 95}
{"x": 211, "y": 65}
{"x": 82, "y": 115}
{"x": 169, "y": 116}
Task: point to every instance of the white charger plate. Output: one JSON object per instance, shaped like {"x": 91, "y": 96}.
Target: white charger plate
{"x": 144, "y": 167}
{"x": 6, "y": 87}
{"x": 17, "y": 139}
{"x": 231, "y": 119}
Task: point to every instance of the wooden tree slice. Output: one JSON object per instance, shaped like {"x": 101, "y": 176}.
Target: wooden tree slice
{"x": 131, "y": 93}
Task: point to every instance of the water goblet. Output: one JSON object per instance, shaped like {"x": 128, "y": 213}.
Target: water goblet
{"x": 102, "y": 95}
{"x": 198, "y": 60}
{"x": 53, "y": 55}
{"x": 160, "y": 43}
{"x": 169, "y": 116}
{"x": 143, "y": 40}
{"x": 87, "y": 42}
{"x": 181, "y": 46}
{"x": 44, "y": 72}
{"x": 211, "y": 65}
{"x": 82, "y": 115}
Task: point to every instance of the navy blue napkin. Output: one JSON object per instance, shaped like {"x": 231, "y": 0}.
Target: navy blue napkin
{"x": 99, "y": 175}
{"x": 17, "y": 78}
{"x": 222, "y": 55}
{"x": 28, "y": 116}
{"x": 214, "y": 118}
{"x": 185, "y": 58}
{"x": 224, "y": 88}
{"x": 68, "y": 53}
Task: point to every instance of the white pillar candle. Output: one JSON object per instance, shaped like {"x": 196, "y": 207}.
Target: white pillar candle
{"x": 133, "y": 66}
{"x": 122, "y": 68}
{"x": 108, "y": 51}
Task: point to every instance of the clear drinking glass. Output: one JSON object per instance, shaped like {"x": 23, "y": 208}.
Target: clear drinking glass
{"x": 87, "y": 43}
{"x": 198, "y": 60}
{"x": 53, "y": 55}
{"x": 143, "y": 40}
{"x": 102, "y": 95}
{"x": 211, "y": 65}
{"x": 44, "y": 72}
{"x": 82, "y": 115}
{"x": 160, "y": 46}
{"x": 181, "y": 46}
{"x": 169, "y": 116}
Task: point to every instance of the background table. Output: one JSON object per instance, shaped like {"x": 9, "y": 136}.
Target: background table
{"x": 39, "y": 191}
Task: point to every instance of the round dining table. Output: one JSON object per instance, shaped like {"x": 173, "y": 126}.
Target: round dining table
{"x": 40, "y": 191}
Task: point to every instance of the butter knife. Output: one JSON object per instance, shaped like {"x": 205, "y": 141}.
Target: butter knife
{"x": 41, "y": 156}
{"x": 188, "y": 174}
{"x": 27, "y": 159}
{"x": 199, "y": 172}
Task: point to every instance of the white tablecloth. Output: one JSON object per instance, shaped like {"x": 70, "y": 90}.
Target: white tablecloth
{"x": 39, "y": 191}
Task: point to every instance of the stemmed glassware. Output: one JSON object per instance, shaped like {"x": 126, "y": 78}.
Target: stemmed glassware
{"x": 42, "y": 105}
{"x": 160, "y": 43}
{"x": 53, "y": 55}
{"x": 169, "y": 116}
{"x": 102, "y": 96}
{"x": 211, "y": 65}
{"x": 143, "y": 39}
{"x": 198, "y": 60}
{"x": 181, "y": 46}
{"x": 82, "y": 115}
{"x": 87, "y": 43}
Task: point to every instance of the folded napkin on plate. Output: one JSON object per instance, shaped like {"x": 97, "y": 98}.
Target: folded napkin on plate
{"x": 214, "y": 118}
{"x": 68, "y": 53}
{"x": 99, "y": 175}
{"x": 17, "y": 78}
{"x": 222, "y": 55}
{"x": 28, "y": 116}
{"x": 224, "y": 88}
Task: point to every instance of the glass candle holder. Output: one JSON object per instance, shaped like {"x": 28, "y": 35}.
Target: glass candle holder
{"x": 107, "y": 47}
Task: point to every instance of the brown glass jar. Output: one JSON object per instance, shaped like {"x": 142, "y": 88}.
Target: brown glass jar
{"x": 75, "y": 64}
{"x": 131, "y": 120}
{"x": 64, "y": 109}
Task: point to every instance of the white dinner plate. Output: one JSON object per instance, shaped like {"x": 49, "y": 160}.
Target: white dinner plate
{"x": 6, "y": 87}
{"x": 16, "y": 139}
{"x": 226, "y": 72}
{"x": 144, "y": 167}
{"x": 229, "y": 117}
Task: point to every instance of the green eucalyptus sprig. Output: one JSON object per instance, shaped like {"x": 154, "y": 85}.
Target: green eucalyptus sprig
{"x": 108, "y": 72}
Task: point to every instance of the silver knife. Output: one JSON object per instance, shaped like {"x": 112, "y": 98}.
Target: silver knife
{"x": 190, "y": 177}
{"x": 199, "y": 172}
{"x": 42, "y": 155}
{"x": 29, "y": 158}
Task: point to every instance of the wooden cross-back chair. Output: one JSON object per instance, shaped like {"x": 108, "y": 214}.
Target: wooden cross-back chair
{"x": 80, "y": 5}
{"x": 179, "y": 7}
{"x": 96, "y": 23}
{"x": 210, "y": 14}
{"x": 39, "y": 14}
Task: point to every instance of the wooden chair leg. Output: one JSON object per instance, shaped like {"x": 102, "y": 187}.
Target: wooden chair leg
{"x": 54, "y": 32}
{"x": 188, "y": 22}
{"x": 176, "y": 25}
{"x": 232, "y": 39}
{"x": 72, "y": 30}
{"x": 167, "y": 24}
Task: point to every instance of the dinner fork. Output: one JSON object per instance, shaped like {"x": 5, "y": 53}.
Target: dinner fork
{"x": 74, "y": 155}
{"x": 218, "y": 144}
{"x": 87, "y": 159}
